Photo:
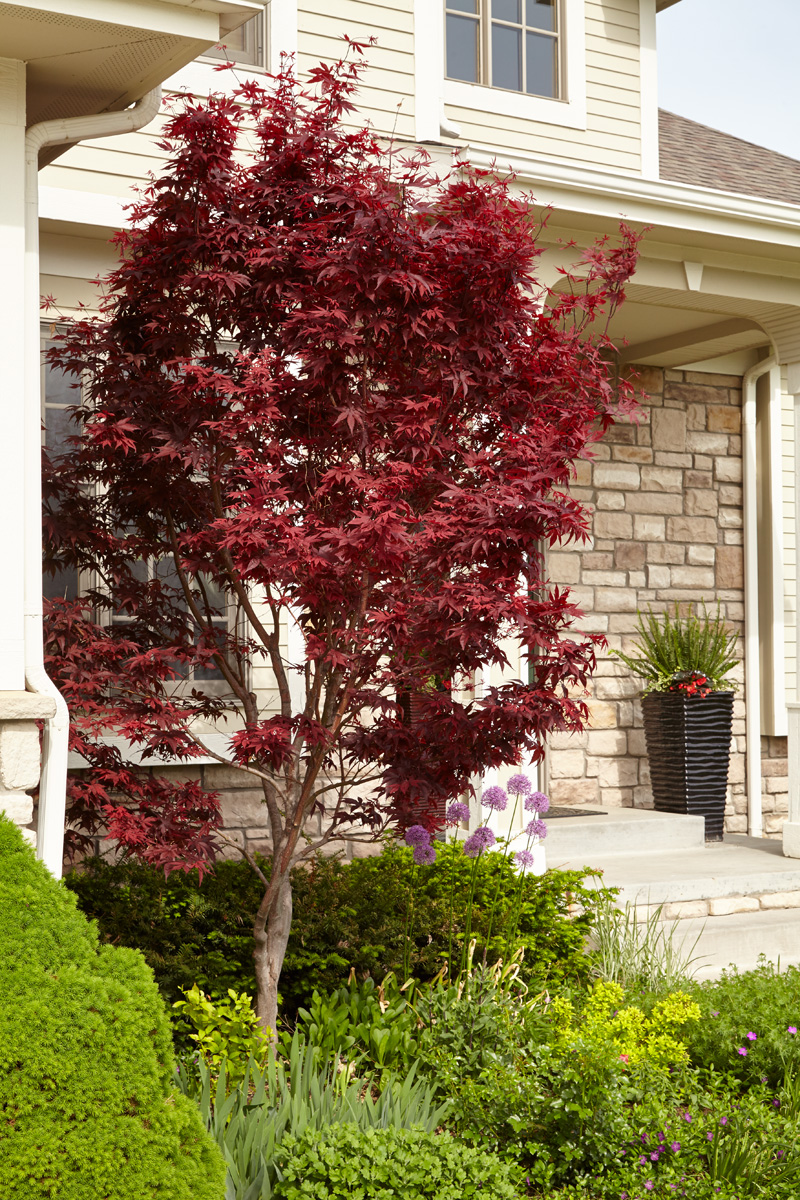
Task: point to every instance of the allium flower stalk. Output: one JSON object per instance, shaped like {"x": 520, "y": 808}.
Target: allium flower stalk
{"x": 495, "y": 798}
{"x": 520, "y": 785}
{"x": 479, "y": 841}
{"x": 457, "y": 812}
{"x": 417, "y": 835}
{"x": 537, "y": 802}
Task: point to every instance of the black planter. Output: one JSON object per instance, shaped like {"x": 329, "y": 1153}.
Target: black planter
{"x": 688, "y": 746}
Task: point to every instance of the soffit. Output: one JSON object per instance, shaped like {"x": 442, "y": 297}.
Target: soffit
{"x": 88, "y": 58}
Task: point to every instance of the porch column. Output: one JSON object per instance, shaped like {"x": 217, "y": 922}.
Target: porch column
{"x": 791, "y": 828}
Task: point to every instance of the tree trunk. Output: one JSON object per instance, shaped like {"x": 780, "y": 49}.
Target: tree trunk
{"x": 271, "y": 935}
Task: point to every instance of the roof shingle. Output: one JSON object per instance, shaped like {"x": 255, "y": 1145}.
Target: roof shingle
{"x": 696, "y": 154}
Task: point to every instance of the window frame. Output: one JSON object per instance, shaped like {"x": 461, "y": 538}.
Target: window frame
{"x": 485, "y": 20}
{"x": 259, "y": 61}
{"x": 569, "y": 110}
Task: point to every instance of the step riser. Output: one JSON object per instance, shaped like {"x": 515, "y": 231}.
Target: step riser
{"x": 608, "y": 836}
{"x": 740, "y": 941}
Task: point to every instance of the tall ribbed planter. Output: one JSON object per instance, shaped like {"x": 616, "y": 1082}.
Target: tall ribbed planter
{"x": 688, "y": 747}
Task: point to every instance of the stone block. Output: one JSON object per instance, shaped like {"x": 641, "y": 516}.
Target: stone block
{"x": 669, "y": 429}
{"x": 733, "y": 537}
{"x": 643, "y": 796}
{"x": 728, "y": 469}
{"x": 615, "y": 599}
{"x": 724, "y": 418}
{"x": 567, "y": 764}
{"x": 637, "y": 743}
{"x": 730, "y": 567}
{"x": 561, "y": 740}
{"x": 774, "y": 766}
{"x": 691, "y": 529}
{"x": 662, "y": 479}
{"x": 612, "y": 579}
{"x": 646, "y": 379}
{"x": 680, "y": 910}
{"x": 661, "y": 503}
{"x": 701, "y": 556}
{"x": 17, "y": 806}
{"x": 582, "y": 469}
{"x": 700, "y": 502}
{"x": 632, "y": 454}
{"x": 658, "y": 577}
{"x": 607, "y": 743}
{"x": 610, "y": 501}
{"x": 776, "y": 783}
{"x": 731, "y": 494}
{"x": 693, "y": 577}
{"x": 726, "y": 906}
{"x": 220, "y": 778}
{"x": 618, "y": 476}
{"x": 780, "y": 900}
{"x": 694, "y": 393}
{"x": 563, "y": 567}
{"x": 617, "y": 772}
{"x": 620, "y": 433}
{"x": 736, "y": 824}
{"x": 696, "y": 416}
{"x": 611, "y": 797}
{"x": 730, "y": 518}
{"x": 666, "y": 553}
{"x": 707, "y": 443}
{"x": 573, "y": 791}
{"x": 616, "y": 687}
{"x": 630, "y": 556}
{"x": 648, "y": 528}
{"x": 666, "y": 458}
{"x": 702, "y": 462}
{"x": 602, "y": 715}
{"x": 613, "y": 525}
{"x": 245, "y": 809}
{"x": 19, "y": 755}
{"x": 698, "y": 479}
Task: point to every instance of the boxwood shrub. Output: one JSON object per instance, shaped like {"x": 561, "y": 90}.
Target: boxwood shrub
{"x": 87, "y": 1107}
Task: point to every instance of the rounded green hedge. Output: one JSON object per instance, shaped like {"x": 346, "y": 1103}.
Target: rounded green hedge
{"x": 347, "y": 1163}
{"x": 87, "y": 1107}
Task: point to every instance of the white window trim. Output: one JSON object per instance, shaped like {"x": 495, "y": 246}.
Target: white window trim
{"x": 569, "y": 112}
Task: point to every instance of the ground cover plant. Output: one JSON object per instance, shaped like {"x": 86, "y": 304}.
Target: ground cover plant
{"x": 327, "y": 420}
{"x": 87, "y": 1104}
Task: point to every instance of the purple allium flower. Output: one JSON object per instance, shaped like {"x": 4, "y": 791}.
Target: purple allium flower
{"x": 495, "y": 798}
{"x": 424, "y": 855}
{"x": 536, "y": 828}
{"x": 480, "y": 840}
{"x": 520, "y": 785}
{"x": 675, "y": 1147}
{"x": 456, "y": 812}
{"x": 537, "y": 802}
{"x": 751, "y": 1037}
{"x": 742, "y": 1051}
{"x": 792, "y": 1029}
{"x": 524, "y": 858}
{"x": 417, "y": 835}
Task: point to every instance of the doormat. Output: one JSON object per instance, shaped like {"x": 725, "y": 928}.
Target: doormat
{"x": 560, "y": 810}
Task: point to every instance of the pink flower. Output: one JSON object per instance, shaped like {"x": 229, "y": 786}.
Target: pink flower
{"x": 792, "y": 1029}
{"x": 751, "y": 1037}
{"x": 742, "y": 1051}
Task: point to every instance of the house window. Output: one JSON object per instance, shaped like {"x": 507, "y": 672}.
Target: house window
{"x": 59, "y": 394}
{"x": 508, "y": 44}
{"x": 245, "y": 45}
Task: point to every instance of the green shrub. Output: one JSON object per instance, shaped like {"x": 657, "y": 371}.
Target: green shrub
{"x": 224, "y": 1031}
{"x": 346, "y": 916}
{"x": 344, "y": 1163}
{"x": 755, "y": 1012}
{"x": 86, "y": 1103}
{"x": 364, "y": 1018}
{"x": 305, "y": 1090}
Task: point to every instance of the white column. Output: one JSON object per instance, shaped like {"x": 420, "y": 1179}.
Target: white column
{"x": 282, "y": 31}
{"x": 791, "y": 827}
{"x": 429, "y": 70}
{"x": 12, "y": 388}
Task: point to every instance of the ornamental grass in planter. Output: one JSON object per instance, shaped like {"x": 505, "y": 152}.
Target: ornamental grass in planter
{"x": 688, "y": 709}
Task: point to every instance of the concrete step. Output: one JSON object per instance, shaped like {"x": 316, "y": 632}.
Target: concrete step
{"x": 738, "y": 866}
{"x": 740, "y": 940}
{"x": 621, "y": 831}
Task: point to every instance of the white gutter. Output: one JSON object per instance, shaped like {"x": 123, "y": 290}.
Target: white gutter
{"x": 752, "y": 666}
{"x": 53, "y": 787}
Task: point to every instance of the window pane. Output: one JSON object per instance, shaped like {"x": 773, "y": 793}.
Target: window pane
{"x": 57, "y": 428}
{"x": 541, "y": 14}
{"x": 542, "y": 78}
{"x": 241, "y": 45}
{"x": 470, "y": 6}
{"x": 506, "y": 58}
{"x": 462, "y": 48}
{"x": 506, "y": 10}
{"x": 63, "y": 585}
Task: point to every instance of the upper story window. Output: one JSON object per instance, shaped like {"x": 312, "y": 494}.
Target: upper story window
{"x": 245, "y": 45}
{"x": 508, "y": 44}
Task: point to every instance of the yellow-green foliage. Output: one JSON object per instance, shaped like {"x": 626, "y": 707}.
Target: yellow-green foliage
{"x": 608, "y": 1024}
{"x": 226, "y": 1030}
{"x": 87, "y": 1107}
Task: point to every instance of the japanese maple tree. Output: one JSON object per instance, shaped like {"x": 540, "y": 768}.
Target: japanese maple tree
{"x": 326, "y": 424}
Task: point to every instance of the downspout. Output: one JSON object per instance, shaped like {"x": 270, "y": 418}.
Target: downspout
{"x": 53, "y": 786}
{"x": 752, "y": 668}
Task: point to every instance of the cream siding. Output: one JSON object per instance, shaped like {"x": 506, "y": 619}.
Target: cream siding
{"x": 612, "y": 138}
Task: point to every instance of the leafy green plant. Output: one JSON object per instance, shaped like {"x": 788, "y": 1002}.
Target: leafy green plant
{"x": 388, "y": 1164}
{"x": 676, "y": 648}
{"x": 640, "y": 954}
{"x": 750, "y": 1026}
{"x": 227, "y": 1031}
{"x": 364, "y": 1018}
{"x": 87, "y": 1103}
{"x": 347, "y": 916}
{"x": 304, "y": 1090}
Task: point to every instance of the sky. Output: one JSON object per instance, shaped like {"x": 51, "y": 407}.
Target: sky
{"x": 734, "y": 65}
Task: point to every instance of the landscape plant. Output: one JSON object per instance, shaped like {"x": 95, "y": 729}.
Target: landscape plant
{"x": 87, "y": 1102}
{"x": 328, "y": 418}
{"x": 683, "y": 651}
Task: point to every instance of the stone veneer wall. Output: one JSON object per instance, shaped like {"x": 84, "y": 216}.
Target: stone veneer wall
{"x": 666, "y": 499}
